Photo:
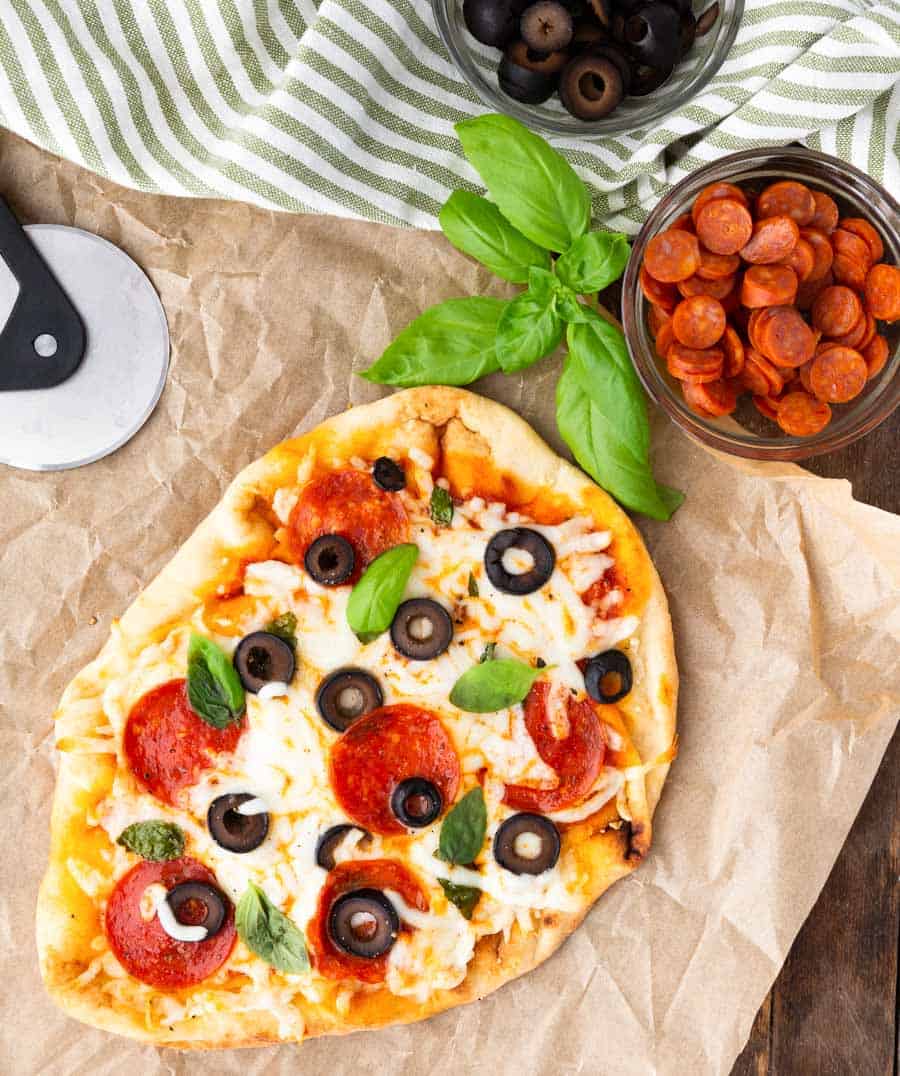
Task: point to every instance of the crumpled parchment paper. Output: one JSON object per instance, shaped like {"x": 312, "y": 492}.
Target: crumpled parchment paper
{"x": 784, "y": 595}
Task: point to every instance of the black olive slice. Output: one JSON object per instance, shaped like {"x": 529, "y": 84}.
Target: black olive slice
{"x": 588, "y": 36}
{"x": 547, "y": 26}
{"x": 329, "y": 841}
{"x": 263, "y": 658}
{"x": 527, "y": 76}
{"x": 330, "y": 560}
{"x": 346, "y": 695}
{"x": 388, "y": 474}
{"x": 527, "y": 541}
{"x": 196, "y": 904}
{"x": 652, "y": 34}
{"x": 607, "y": 676}
{"x": 544, "y": 63}
{"x": 493, "y": 22}
{"x": 647, "y": 79}
{"x": 416, "y": 802}
{"x": 363, "y": 923}
{"x": 616, "y": 56}
{"x": 421, "y": 629}
{"x": 688, "y": 34}
{"x": 591, "y": 87}
{"x": 527, "y": 844}
{"x": 232, "y": 830}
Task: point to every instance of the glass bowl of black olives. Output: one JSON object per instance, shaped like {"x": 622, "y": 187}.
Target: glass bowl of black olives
{"x": 595, "y": 67}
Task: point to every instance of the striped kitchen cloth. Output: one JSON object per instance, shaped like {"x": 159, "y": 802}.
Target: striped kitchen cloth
{"x": 348, "y": 106}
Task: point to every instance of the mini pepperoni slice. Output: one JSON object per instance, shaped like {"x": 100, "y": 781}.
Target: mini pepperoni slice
{"x": 785, "y": 338}
{"x": 802, "y": 415}
{"x": 876, "y": 355}
{"x": 761, "y": 377}
{"x": 768, "y": 285}
{"x": 802, "y": 259}
{"x": 672, "y": 256}
{"x": 383, "y": 748}
{"x": 836, "y": 310}
{"x": 576, "y": 757}
{"x": 810, "y": 290}
{"x": 850, "y": 271}
{"x": 695, "y": 360}
{"x": 333, "y": 963}
{"x": 168, "y": 746}
{"x": 717, "y": 266}
{"x": 716, "y": 191}
{"x": 867, "y": 233}
{"x": 684, "y": 223}
{"x": 143, "y": 948}
{"x": 773, "y": 240}
{"x": 825, "y": 218}
{"x": 758, "y": 318}
{"x": 822, "y": 249}
{"x": 347, "y": 503}
{"x": 767, "y": 406}
{"x": 883, "y": 292}
{"x": 838, "y": 374}
{"x": 804, "y": 376}
{"x": 715, "y": 289}
{"x": 665, "y": 339}
{"x": 714, "y": 399}
{"x": 664, "y": 295}
{"x": 869, "y": 335}
{"x": 724, "y": 226}
{"x": 851, "y": 245}
{"x": 656, "y": 319}
{"x": 787, "y": 198}
{"x": 733, "y": 350}
{"x": 699, "y": 322}
{"x": 857, "y": 335}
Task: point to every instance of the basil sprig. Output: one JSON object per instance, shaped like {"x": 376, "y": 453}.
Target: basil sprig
{"x": 375, "y": 598}
{"x": 539, "y": 205}
{"x": 493, "y": 685}
{"x": 472, "y": 586}
{"x": 463, "y": 830}
{"x": 465, "y": 897}
{"x": 213, "y": 687}
{"x": 155, "y": 840}
{"x": 285, "y": 627}
{"x": 269, "y": 933}
{"x": 441, "y": 507}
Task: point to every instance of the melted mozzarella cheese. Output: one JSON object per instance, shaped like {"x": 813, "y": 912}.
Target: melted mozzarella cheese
{"x": 434, "y": 956}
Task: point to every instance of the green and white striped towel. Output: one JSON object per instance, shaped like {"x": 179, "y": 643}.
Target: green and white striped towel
{"x": 347, "y": 106}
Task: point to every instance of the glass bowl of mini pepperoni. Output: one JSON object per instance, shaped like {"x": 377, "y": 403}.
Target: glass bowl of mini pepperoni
{"x": 761, "y": 304}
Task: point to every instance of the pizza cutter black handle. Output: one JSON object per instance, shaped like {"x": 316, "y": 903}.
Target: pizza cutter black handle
{"x": 43, "y": 340}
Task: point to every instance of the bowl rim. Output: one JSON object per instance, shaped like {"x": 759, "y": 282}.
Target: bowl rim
{"x": 723, "y": 438}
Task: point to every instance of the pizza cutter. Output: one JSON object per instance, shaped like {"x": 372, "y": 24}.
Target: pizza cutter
{"x": 84, "y": 346}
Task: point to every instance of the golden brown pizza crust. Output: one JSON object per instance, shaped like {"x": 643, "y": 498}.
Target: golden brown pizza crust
{"x": 476, "y": 441}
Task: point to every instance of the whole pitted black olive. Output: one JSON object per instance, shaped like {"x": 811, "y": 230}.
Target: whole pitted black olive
{"x": 547, "y": 26}
{"x": 331, "y": 838}
{"x": 652, "y": 34}
{"x": 607, "y": 676}
{"x": 388, "y": 474}
{"x": 363, "y": 923}
{"x": 421, "y": 629}
{"x": 330, "y": 560}
{"x": 231, "y": 828}
{"x": 591, "y": 87}
{"x": 528, "y": 76}
{"x": 197, "y": 904}
{"x": 493, "y": 22}
{"x": 346, "y": 695}
{"x": 527, "y": 844}
{"x": 519, "y": 560}
{"x": 646, "y": 79}
{"x": 263, "y": 658}
{"x": 416, "y": 802}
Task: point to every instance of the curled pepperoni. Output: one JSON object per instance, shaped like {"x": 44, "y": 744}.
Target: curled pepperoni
{"x": 883, "y": 292}
{"x": 724, "y": 226}
{"x": 715, "y": 289}
{"x": 656, "y": 319}
{"x": 698, "y": 322}
{"x": 822, "y": 249}
{"x": 851, "y": 246}
{"x": 664, "y": 339}
{"x": 867, "y": 233}
{"x": 802, "y": 415}
{"x": 143, "y": 948}
{"x": 168, "y": 746}
{"x": 694, "y": 364}
{"x": 717, "y": 266}
{"x": 825, "y": 218}
{"x": 850, "y": 271}
{"x": 347, "y": 503}
{"x": 733, "y": 350}
{"x": 810, "y": 290}
{"x": 836, "y": 310}
{"x": 577, "y": 757}
{"x": 802, "y": 259}
{"x": 876, "y": 355}
{"x": 768, "y": 285}
{"x": 785, "y": 338}
{"x": 664, "y": 295}
{"x": 382, "y": 874}
{"x": 838, "y": 374}
{"x": 773, "y": 240}
{"x": 787, "y": 198}
{"x": 715, "y": 191}
{"x": 383, "y": 748}
{"x": 672, "y": 256}
{"x": 712, "y": 399}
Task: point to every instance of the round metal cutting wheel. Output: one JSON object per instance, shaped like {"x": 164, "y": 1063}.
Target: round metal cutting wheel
{"x": 123, "y": 372}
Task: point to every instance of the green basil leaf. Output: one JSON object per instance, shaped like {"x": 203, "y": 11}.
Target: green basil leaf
{"x": 156, "y": 840}
{"x": 478, "y": 228}
{"x": 463, "y": 830}
{"x": 594, "y": 261}
{"x": 473, "y": 586}
{"x": 571, "y": 309}
{"x": 269, "y": 933}
{"x": 535, "y": 188}
{"x": 488, "y": 653}
{"x": 213, "y": 686}
{"x": 602, "y": 416}
{"x": 285, "y": 627}
{"x": 441, "y": 507}
{"x": 493, "y": 685}
{"x": 374, "y": 599}
{"x": 465, "y": 897}
{"x": 529, "y": 329}
{"x": 453, "y": 343}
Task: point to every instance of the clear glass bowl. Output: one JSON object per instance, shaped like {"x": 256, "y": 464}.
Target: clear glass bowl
{"x": 478, "y": 64}
{"x": 746, "y": 432}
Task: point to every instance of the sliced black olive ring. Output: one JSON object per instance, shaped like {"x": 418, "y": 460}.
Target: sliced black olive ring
{"x": 346, "y": 695}
{"x": 388, "y": 474}
{"x": 529, "y": 76}
{"x": 363, "y": 923}
{"x": 591, "y": 87}
{"x": 421, "y": 629}
{"x": 607, "y": 676}
{"x": 527, "y": 844}
{"x": 331, "y": 838}
{"x": 196, "y": 904}
{"x": 416, "y": 802}
{"x": 263, "y": 658}
{"x": 330, "y": 560}
{"x": 543, "y": 560}
{"x": 232, "y": 830}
